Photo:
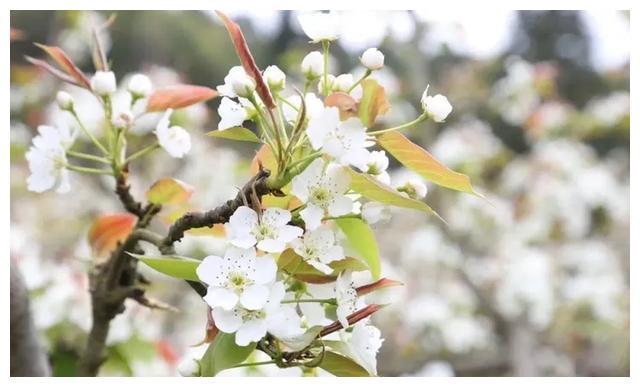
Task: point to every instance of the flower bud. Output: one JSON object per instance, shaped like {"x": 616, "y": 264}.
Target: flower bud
{"x": 331, "y": 80}
{"x": 103, "y": 83}
{"x": 313, "y": 65}
{"x": 414, "y": 188}
{"x": 372, "y": 59}
{"x": 437, "y": 106}
{"x": 243, "y": 85}
{"x": 123, "y": 120}
{"x": 64, "y": 100}
{"x": 374, "y": 212}
{"x": 189, "y": 367}
{"x": 275, "y": 78}
{"x": 140, "y": 86}
{"x": 342, "y": 82}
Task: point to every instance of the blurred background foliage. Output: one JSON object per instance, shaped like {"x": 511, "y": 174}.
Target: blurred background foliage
{"x": 535, "y": 283}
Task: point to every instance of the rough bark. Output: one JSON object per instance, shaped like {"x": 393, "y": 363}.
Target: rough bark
{"x": 28, "y": 357}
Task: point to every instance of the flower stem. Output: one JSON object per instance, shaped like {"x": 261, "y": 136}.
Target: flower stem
{"x": 88, "y": 133}
{"x": 142, "y": 152}
{"x": 87, "y": 156}
{"x": 362, "y": 78}
{"x": 418, "y": 120}
{"x": 325, "y": 54}
{"x": 93, "y": 171}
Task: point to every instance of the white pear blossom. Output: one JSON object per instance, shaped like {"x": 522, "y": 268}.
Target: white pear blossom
{"x": 377, "y": 166}
{"x": 275, "y": 78}
{"x": 312, "y": 65}
{"x": 372, "y": 59}
{"x": 363, "y": 346}
{"x": 175, "y": 140}
{"x": 237, "y": 83}
{"x": 375, "y": 212}
{"x": 103, "y": 83}
{"x": 314, "y": 312}
{"x": 413, "y": 188}
{"x": 238, "y": 277}
{"x": 231, "y": 114}
{"x": 320, "y": 26}
{"x": 318, "y": 248}
{"x": 250, "y": 325}
{"x": 346, "y": 141}
{"x": 346, "y": 297}
{"x": 330, "y": 82}
{"x": 313, "y": 106}
{"x": 64, "y": 100}
{"x": 140, "y": 86}
{"x": 322, "y": 191}
{"x": 437, "y": 106}
{"x": 342, "y": 82}
{"x": 271, "y": 231}
{"x": 47, "y": 160}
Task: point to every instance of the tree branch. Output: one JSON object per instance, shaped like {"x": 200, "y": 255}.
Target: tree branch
{"x": 257, "y": 184}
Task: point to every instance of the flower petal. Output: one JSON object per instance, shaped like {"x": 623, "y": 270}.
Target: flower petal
{"x": 228, "y": 321}
{"x": 221, "y": 298}
{"x": 312, "y": 216}
{"x": 251, "y": 331}
{"x": 265, "y": 270}
{"x": 254, "y": 297}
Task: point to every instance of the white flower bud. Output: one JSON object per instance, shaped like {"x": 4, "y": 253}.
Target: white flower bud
{"x": 313, "y": 65}
{"x": 103, "y": 83}
{"x": 414, "y": 188}
{"x": 372, "y": 59}
{"x": 331, "y": 80}
{"x": 275, "y": 78}
{"x": 342, "y": 82}
{"x": 189, "y": 367}
{"x": 243, "y": 86}
{"x": 140, "y": 86}
{"x": 437, "y": 106}
{"x": 64, "y": 100}
{"x": 374, "y": 212}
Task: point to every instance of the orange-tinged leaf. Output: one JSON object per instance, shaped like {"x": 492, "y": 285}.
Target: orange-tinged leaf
{"x": 265, "y": 157}
{"x": 379, "y": 284}
{"x": 344, "y": 102}
{"x": 66, "y": 64}
{"x": 179, "y": 96}
{"x": 108, "y": 231}
{"x": 423, "y": 163}
{"x": 373, "y": 102}
{"x": 248, "y": 63}
{"x": 169, "y": 191}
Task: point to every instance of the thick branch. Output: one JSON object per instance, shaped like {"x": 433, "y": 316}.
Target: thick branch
{"x": 257, "y": 185}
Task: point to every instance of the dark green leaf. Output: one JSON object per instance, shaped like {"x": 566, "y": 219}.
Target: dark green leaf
{"x": 339, "y": 365}
{"x": 224, "y": 353}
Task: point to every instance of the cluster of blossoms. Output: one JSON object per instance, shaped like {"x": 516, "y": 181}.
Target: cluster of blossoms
{"x": 285, "y": 284}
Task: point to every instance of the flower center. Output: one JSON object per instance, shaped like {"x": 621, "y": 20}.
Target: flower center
{"x": 238, "y": 281}
{"x": 264, "y": 232}
{"x": 248, "y": 315}
{"x": 320, "y": 196}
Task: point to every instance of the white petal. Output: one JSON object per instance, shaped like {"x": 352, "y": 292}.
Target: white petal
{"x": 231, "y": 114}
{"x": 334, "y": 253}
{"x": 288, "y": 233}
{"x": 251, "y": 331}
{"x": 284, "y": 322}
{"x": 313, "y": 312}
{"x": 272, "y": 245}
{"x": 276, "y": 217}
{"x": 228, "y": 321}
{"x": 254, "y": 297}
{"x": 312, "y": 216}
{"x": 326, "y": 269}
{"x": 339, "y": 177}
{"x": 210, "y": 271}
{"x": 221, "y": 298}
{"x": 265, "y": 270}
{"x": 321, "y": 125}
{"x": 341, "y": 205}
{"x": 311, "y": 176}
{"x": 276, "y": 294}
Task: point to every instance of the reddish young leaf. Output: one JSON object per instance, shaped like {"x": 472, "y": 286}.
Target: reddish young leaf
{"x": 352, "y": 319}
{"x": 248, "y": 63}
{"x": 109, "y": 230}
{"x": 51, "y": 70}
{"x": 344, "y": 102}
{"x": 373, "y": 102}
{"x": 179, "y": 96}
{"x": 66, "y": 64}
{"x": 169, "y": 191}
{"x": 379, "y": 284}
{"x": 264, "y": 157}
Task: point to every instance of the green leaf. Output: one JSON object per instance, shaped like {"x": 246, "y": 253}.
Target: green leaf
{"x": 291, "y": 262}
{"x": 172, "y": 265}
{"x": 373, "y": 102}
{"x": 372, "y": 189}
{"x": 237, "y": 133}
{"x": 298, "y": 343}
{"x": 224, "y": 353}
{"x": 339, "y": 365}
{"x": 362, "y": 240}
{"x": 423, "y": 163}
